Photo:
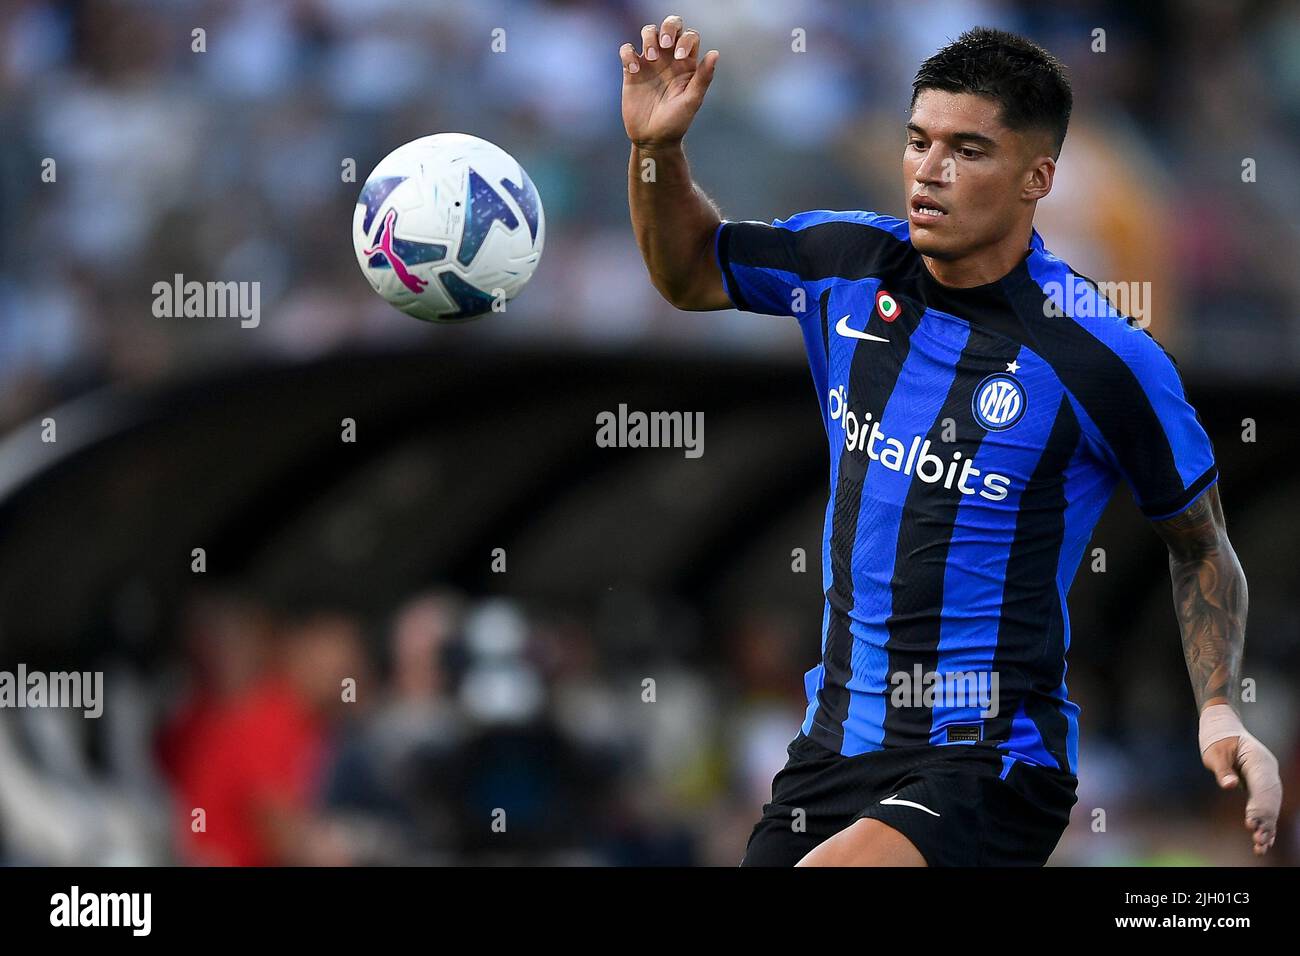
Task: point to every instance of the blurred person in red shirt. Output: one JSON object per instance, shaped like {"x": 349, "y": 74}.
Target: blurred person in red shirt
{"x": 227, "y": 644}
{"x": 252, "y": 762}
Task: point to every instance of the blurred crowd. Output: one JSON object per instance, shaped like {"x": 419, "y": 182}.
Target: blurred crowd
{"x": 227, "y": 164}
{"x": 456, "y": 732}
{"x": 477, "y": 732}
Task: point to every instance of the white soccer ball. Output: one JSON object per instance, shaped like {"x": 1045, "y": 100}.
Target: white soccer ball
{"x": 448, "y": 227}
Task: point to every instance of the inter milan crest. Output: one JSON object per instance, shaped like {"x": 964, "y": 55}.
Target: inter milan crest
{"x": 998, "y": 402}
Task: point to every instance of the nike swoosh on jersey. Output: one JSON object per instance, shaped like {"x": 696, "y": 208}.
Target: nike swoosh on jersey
{"x": 842, "y": 327}
{"x": 895, "y": 802}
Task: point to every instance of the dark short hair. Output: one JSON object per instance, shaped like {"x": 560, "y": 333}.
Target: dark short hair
{"x": 1028, "y": 83}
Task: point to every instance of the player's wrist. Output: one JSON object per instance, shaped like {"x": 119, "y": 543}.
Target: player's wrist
{"x": 1218, "y": 722}
{"x": 657, "y": 145}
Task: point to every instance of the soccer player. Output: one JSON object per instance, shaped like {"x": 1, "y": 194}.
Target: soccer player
{"x": 981, "y": 401}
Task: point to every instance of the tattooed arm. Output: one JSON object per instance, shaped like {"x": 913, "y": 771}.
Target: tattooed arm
{"x": 1210, "y": 599}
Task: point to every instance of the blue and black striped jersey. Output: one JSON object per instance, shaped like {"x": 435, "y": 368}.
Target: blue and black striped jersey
{"x": 975, "y": 437}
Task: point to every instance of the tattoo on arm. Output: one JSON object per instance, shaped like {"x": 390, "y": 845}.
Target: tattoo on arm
{"x": 1209, "y": 597}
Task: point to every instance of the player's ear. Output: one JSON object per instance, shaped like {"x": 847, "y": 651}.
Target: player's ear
{"x": 1038, "y": 179}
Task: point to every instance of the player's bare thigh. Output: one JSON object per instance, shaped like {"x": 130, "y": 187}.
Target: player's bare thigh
{"x": 865, "y": 843}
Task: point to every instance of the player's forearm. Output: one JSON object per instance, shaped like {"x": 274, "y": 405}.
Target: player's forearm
{"x": 674, "y": 221}
{"x": 1210, "y": 598}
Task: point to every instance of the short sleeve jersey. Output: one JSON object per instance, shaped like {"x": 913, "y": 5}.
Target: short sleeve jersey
{"x": 975, "y": 435}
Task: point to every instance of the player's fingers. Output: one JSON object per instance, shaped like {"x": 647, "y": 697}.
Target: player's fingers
{"x": 1220, "y": 758}
{"x": 669, "y": 32}
{"x": 627, "y": 54}
{"x": 1264, "y": 784}
{"x": 687, "y": 45}
{"x": 650, "y": 41}
{"x": 703, "y": 76}
{"x": 1262, "y": 838}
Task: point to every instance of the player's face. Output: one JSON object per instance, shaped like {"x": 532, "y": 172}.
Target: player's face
{"x": 969, "y": 180}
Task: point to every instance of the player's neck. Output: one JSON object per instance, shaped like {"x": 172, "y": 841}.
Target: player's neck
{"x": 983, "y": 266}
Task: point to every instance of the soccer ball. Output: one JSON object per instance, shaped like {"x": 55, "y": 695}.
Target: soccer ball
{"x": 448, "y": 228}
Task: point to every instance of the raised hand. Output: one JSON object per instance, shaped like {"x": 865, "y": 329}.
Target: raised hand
{"x": 664, "y": 85}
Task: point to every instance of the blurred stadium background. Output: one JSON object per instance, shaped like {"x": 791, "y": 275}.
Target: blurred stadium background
{"x": 523, "y": 689}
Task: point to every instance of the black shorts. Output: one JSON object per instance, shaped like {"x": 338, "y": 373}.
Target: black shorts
{"x": 951, "y": 802}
